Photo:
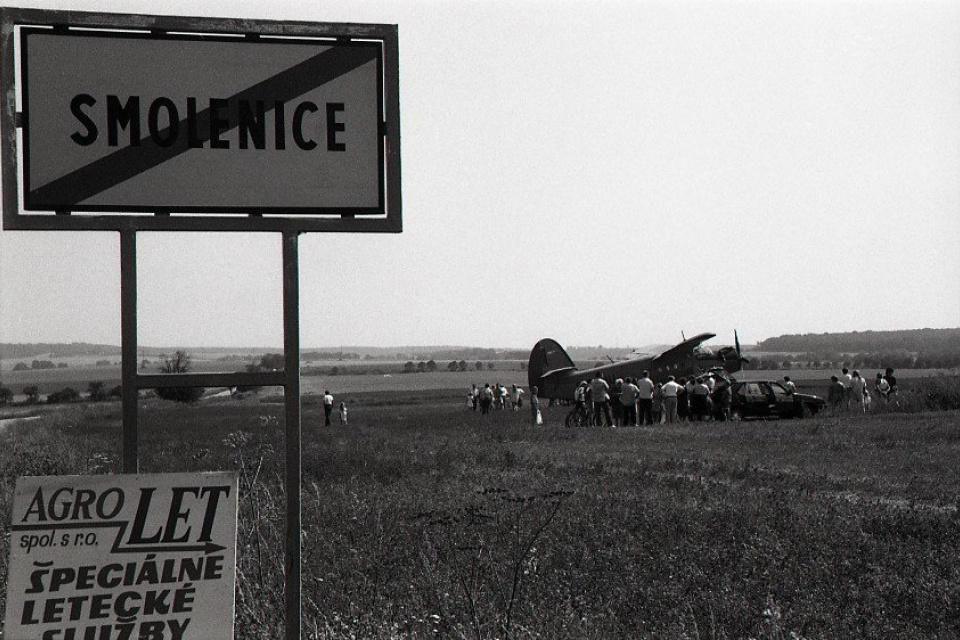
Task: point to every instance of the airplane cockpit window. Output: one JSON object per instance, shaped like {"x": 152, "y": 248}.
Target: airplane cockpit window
{"x": 701, "y": 352}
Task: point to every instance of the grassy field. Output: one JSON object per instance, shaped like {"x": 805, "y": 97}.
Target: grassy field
{"x": 423, "y": 519}
{"x": 507, "y": 373}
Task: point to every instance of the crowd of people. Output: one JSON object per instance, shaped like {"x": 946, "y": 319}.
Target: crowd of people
{"x": 632, "y": 402}
{"x": 499, "y": 398}
{"x": 852, "y": 391}
{"x": 495, "y": 398}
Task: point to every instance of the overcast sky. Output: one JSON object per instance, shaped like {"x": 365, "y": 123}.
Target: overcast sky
{"x": 597, "y": 172}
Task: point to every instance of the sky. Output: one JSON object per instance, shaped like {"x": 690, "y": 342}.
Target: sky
{"x": 602, "y": 173}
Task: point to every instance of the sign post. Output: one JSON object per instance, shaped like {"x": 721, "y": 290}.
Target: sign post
{"x": 132, "y": 123}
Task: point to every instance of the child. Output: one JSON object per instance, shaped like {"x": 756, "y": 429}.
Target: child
{"x": 343, "y": 413}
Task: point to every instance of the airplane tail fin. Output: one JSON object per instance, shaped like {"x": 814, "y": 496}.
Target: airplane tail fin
{"x": 547, "y": 357}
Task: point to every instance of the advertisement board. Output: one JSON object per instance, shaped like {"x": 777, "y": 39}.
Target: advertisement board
{"x": 123, "y": 556}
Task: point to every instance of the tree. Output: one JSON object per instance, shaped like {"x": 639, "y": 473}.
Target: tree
{"x": 20, "y": 366}
{"x": 462, "y": 365}
{"x": 431, "y": 365}
{"x": 252, "y": 367}
{"x": 67, "y": 394}
{"x": 422, "y": 366}
{"x": 179, "y": 363}
{"x": 96, "y": 391}
{"x": 6, "y": 396}
{"x": 490, "y": 366}
{"x": 33, "y": 394}
{"x": 409, "y": 367}
{"x": 478, "y": 366}
{"x": 452, "y": 366}
{"x": 116, "y": 392}
{"x": 272, "y": 362}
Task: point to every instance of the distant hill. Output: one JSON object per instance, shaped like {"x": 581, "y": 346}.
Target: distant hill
{"x": 57, "y": 350}
{"x": 912, "y": 340}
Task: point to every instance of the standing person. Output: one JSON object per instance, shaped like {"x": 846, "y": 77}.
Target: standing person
{"x": 789, "y": 385}
{"x": 327, "y": 407}
{"x": 723, "y": 400}
{"x": 343, "y": 413}
{"x": 846, "y": 380}
{"x": 628, "y": 398}
{"x": 503, "y": 394}
{"x": 645, "y": 389}
{"x": 517, "y": 399}
{"x": 580, "y": 398}
{"x": 857, "y": 388}
{"x": 601, "y": 400}
{"x": 683, "y": 401}
{"x": 668, "y": 394}
{"x": 882, "y": 387}
{"x": 475, "y": 397}
{"x": 615, "y": 407}
{"x": 535, "y": 417}
{"x": 700, "y": 401}
{"x": 837, "y": 394}
{"x": 588, "y": 399}
{"x": 486, "y": 399}
{"x": 892, "y": 381}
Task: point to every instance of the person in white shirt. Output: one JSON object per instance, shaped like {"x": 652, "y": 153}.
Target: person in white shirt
{"x": 327, "y": 407}
{"x": 628, "y": 398}
{"x": 668, "y": 393}
{"x": 517, "y": 399}
{"x": 645, "y": 388}
{"x": 601, "y": 400}
{"x": 789, "y": 385}
{"x": 858, "y": 388}
{"x": 846, "y": 379}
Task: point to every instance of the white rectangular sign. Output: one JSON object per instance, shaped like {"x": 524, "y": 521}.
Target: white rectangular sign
{"x": 116, "y": 557}
{"x": 136, "y": 122}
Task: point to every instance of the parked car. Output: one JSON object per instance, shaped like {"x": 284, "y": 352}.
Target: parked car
{"x": 769, "y": 399}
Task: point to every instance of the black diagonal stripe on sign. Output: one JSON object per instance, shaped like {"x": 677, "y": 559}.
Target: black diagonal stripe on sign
{"x": 128, "y": 162}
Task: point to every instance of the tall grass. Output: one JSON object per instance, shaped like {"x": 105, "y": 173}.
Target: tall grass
{"x": 425, "y": 520}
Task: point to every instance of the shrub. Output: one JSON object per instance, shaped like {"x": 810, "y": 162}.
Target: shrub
{"x": 179, "y": 363}
{"x": 67, "y": 394}
{"x": 96, "y": 391}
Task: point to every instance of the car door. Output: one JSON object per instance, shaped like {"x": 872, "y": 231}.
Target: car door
{"x": 784, "y": 403}
{"x": 756, "y": 404}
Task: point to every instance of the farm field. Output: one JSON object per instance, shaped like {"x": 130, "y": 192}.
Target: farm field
{"x": 423, "y": 519}
{"x": 507, "y": 373}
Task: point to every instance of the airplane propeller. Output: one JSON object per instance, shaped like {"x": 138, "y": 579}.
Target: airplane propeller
{"x": 736, "y": 340}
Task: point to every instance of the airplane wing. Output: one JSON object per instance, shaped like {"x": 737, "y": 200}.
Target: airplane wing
{"x": 687, "y": 346}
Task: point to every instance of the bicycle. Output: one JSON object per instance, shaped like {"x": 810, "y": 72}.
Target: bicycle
{"x": 578, "y": 417}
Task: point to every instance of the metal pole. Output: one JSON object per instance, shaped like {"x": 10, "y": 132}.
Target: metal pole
{"x": 128, "y": 337}
{"x": 291, "y": 398}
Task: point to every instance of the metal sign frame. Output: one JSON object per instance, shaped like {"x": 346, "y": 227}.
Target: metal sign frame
{"x": 129, "y": 224}
{"x": 165, "y": 218}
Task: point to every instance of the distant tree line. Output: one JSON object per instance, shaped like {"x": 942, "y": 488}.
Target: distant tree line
{"x": 309, "y": 356}
{"x": 926, "y": 341}
{"x": 39, "y": 364}
{"x": 898, "y": 359}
